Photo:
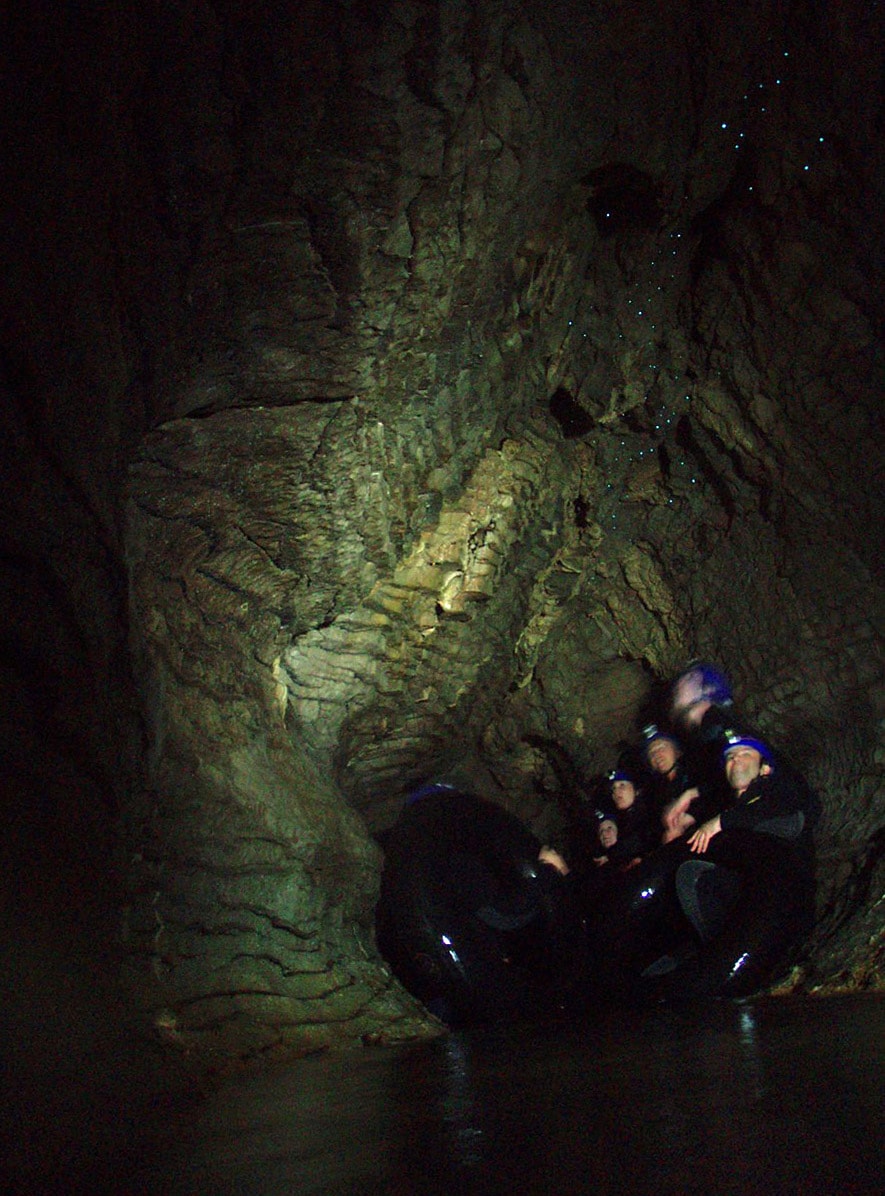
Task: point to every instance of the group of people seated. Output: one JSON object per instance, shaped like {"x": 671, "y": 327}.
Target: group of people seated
{"x": 698, "y": 776}
{"x": 690, "y": 865}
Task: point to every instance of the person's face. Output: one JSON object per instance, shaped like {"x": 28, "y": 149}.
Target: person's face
{"x": 742, "y": 766}
{"x": 608, "y": 834}
{"x": 687, "y": 706}
{"x": 661, "y": 756}
{"x": 623, "y": 794}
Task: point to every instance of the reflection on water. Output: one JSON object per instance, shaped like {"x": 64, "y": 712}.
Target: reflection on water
{"x": 776, "y": 1097}
{"x": 748, "y": 1037}
{"x": 458, "y": 1105}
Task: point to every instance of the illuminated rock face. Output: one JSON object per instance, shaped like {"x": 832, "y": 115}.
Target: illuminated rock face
{"x": 408, "y": 388}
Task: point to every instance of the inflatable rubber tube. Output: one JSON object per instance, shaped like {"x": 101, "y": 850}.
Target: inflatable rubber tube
{"x": 467, "y": 918}
{"x": 770, "y": 913}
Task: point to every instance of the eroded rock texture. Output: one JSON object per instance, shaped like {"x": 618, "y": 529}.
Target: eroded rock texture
{"x": 430, "y": 375}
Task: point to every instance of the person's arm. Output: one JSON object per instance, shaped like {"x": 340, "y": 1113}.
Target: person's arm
{"x": 549, "y": 855}
{"x": 673, "y": 816}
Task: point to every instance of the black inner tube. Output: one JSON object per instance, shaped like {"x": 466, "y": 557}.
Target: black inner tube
{"x": 468, "y": 919}
{"x": 764, "y": 888}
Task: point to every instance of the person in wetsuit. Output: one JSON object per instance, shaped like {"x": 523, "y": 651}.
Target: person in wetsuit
{"x": 669, "y": 783}
{"x": 772, "y": 801}
{"x": 701, "y": 708}
{"x": 627, "y": 827}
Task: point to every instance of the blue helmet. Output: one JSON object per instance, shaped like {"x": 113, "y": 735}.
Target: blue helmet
{"x": 620, "y": 774}
{"x": 428, "y": 789}
{"x": 714, "y": 685}
{"x": 734, "y": 739}
{"x": 652, "y": 733}
{"x": 705, "y": 683}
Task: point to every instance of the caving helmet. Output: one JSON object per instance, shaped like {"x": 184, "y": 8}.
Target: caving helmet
{"x": 713, "y": 685}
{"x": 620, "y": 774}
{"x": 652, "y": 733}
{"x": 735, "y": 739}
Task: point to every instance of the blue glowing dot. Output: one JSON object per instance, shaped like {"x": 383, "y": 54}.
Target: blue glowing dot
{"x": 723, "y": 125}
{"x": 806, "y": 167}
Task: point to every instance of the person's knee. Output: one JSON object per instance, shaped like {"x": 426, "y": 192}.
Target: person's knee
{"x": 707, "y": 894}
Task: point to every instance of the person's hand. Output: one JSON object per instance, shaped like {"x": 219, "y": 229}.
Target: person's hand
{"x": 700, "y": 840}
{"x": 681, "y": 827}
{"x": 549, "y": 855}
{"x": 673, "y": 816}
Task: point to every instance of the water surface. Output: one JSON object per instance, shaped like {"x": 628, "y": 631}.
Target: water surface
{"x": 780, "y": 1096}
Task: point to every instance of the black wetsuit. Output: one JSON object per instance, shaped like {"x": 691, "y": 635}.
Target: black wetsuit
{"x": 663, "y": 789}
{"x": 742, "y": 903}
{"x": 469, "y": 919}
{"x": 638, "y": 832}
{"x": 781, "y": 804}
{"x": 702, "y": 760}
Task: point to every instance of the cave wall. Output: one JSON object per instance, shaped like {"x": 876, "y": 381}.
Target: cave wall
{"x": 395, "y": 381}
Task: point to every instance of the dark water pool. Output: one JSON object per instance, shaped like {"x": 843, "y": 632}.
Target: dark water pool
{"x": 782, "y": 1096}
